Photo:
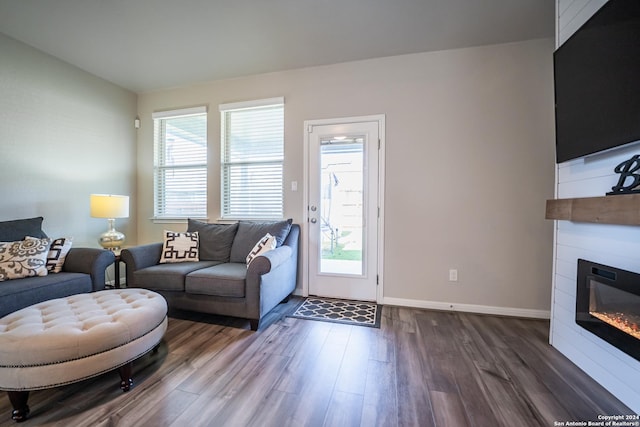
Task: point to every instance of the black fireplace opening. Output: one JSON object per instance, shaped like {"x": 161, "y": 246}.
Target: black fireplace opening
{"x": 608, "y": 305}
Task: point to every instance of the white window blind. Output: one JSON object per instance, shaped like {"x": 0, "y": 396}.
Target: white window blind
{"x": 252, "y": 159}
{"x": 180, "y": 163}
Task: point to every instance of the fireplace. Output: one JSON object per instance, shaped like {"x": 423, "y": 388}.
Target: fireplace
{"x": 608, "y": 305}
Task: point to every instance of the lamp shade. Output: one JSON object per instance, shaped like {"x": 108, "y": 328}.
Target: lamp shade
{"x": 109, "y": 206}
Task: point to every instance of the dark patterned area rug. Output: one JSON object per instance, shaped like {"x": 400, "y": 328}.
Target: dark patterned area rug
{"x": 339, "y": 311}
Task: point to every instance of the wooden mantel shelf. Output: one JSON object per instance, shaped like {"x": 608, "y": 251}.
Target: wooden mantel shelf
{"x": 618, "y": 209}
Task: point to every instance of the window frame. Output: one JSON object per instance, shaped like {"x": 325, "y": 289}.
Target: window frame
{"x": 225, "y": 164}
{"x": 159, "y": 119}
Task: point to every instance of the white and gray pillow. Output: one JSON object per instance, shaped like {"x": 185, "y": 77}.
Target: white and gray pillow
{"x": 180, "y": 247}
{"x": 267, "y": 243}
{"x": 24, "y": 258}
{"x": 250, "y": 232}
{"x": 58, "y": 253}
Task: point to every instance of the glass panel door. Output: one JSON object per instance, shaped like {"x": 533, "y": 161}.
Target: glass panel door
{"x": 343, "y": 210}
{"x": 341, "y": 205}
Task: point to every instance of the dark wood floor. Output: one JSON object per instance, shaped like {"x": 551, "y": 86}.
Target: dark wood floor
{"x": 421, "y": 368}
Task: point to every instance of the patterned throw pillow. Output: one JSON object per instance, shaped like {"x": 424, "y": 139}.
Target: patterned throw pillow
{"x": 180, "y": 247}
{"x": 23, "y": 259}
{"x": 250, "y": 232}
{"x": 265, "y": 244}
{"x": 57, "y": 254}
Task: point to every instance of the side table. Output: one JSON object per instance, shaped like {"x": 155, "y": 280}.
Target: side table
{"x": 116, "y": 270}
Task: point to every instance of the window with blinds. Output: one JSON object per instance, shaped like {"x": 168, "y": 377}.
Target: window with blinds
{"x": 180, "y": 163}
{"x": 252, "y": 159}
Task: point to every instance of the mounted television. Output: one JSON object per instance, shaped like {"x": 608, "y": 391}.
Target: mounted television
{"x": 597, "y": 83}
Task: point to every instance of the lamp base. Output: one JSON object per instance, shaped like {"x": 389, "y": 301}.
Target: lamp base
{"x": 111, "y": 239}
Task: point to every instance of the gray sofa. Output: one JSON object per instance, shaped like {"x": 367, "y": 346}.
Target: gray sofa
{"x": 220, "y": 282}
{"x": 83, "y": 271}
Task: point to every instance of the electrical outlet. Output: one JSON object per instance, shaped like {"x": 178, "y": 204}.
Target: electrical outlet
{"x": 453, "y": 275}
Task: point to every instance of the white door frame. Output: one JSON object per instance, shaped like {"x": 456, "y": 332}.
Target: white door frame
{"x": 380, "y": 118}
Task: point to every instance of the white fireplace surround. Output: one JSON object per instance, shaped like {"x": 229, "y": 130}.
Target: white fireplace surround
{"x": 615, "y": 245}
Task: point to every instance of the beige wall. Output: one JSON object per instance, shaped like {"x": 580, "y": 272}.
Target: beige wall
{"x": 469, "y": 163}
{"x": 64, "y": 134}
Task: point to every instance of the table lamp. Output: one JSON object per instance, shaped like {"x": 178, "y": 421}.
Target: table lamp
{"x": 111, "y": 207}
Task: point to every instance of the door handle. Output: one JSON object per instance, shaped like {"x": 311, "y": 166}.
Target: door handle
{"x": 313, "y": 220}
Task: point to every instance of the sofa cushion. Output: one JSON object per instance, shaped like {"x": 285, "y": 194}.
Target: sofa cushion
{"x": 20, "y": 293}
{"x": 24, "y": 258}
{"x": 167, "y": 277}
{"x": 180, "y": 247}
{"x": 215, "y": 239}
{"x": 250, "y": 232}
{"x": 18, "y": 229}
{"x": 224, "y": 280}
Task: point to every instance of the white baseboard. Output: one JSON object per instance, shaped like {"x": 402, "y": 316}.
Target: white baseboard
{"x": 469, "y": 308}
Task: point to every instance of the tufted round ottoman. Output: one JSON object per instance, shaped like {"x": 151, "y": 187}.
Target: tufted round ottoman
{"x": 70, "y": 339}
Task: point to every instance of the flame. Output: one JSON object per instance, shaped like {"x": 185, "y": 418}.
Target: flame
{"x": 621, "y": 321}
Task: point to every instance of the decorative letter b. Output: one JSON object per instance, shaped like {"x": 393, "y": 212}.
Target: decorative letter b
{"x": 626, "y": 170}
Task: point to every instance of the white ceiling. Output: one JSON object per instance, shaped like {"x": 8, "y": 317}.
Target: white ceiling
{"x": 145, "y": 45}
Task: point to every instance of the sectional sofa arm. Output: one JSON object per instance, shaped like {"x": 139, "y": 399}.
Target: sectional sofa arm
{"x": 90, "y": 261}
{"x": 138, "y": 257}
{"x": 270, "y": 260}
{"x": 271, "y": 277}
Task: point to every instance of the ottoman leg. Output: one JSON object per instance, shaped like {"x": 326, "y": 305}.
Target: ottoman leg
{"x": 125, "y": 376}
{"x": 18, "y": 400}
